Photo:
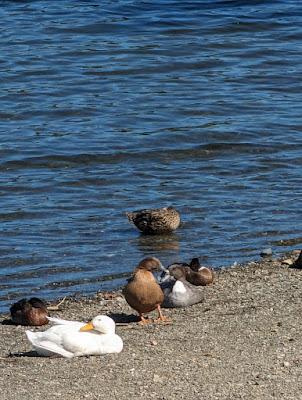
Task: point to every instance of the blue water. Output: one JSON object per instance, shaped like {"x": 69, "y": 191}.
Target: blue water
{"x": 111, "y": 106}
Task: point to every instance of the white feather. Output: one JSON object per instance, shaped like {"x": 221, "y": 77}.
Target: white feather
{"x": 179, "y": 288}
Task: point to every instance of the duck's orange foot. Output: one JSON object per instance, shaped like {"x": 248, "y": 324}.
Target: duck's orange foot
{"x": 144, "y": 321}
{"x": 163, "y": 319}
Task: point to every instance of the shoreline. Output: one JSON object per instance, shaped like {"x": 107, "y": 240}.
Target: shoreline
{"x": 242, "y": 342}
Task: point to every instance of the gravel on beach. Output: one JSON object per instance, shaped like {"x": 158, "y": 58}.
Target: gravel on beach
{"x": 243, "y": 342}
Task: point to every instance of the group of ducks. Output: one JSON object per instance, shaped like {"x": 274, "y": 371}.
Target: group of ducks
{"x": 177, "y": 286}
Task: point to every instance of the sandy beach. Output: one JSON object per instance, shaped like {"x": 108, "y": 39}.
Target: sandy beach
{"x": 243, "y": 342}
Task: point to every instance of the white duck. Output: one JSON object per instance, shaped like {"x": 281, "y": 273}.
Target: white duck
{"x": 73, "y": 339}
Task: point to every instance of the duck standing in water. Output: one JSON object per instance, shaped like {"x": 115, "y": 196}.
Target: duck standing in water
{"x": 155, "y": 221}
{"x": 73, "y": 339}
{"x": 177, "y": 290}
{"x": 142, "y": 291}
{"x": 31, "y": 312}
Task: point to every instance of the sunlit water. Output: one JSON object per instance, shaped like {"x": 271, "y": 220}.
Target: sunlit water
{"x": 111, "y": 106}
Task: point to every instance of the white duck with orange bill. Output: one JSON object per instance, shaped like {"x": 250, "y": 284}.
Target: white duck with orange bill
{"x": 73, "y": 339}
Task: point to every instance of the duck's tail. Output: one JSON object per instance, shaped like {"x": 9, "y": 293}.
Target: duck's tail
{"x": 130, "y": 216}
{"x": 45, "y": 347}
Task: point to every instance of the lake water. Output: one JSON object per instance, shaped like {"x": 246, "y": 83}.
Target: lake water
{"x": 111, "y": 106}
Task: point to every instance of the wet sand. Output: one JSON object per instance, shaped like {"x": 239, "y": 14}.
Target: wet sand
{"x": 243, "y": 342}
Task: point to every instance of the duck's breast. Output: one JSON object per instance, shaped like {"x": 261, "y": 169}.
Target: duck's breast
{"x": 143, "y": 292}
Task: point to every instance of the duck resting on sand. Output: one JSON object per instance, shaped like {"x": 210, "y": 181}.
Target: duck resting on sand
{"x": 142, "y": 291}
{"x": 156, "y": 220}
{"x": 195, "y": 273}
{"x": 198, "y": 275}
{"x": 177, "y": 290}
{"x": 73, "y": 339}
{"x": 32, "y": 312}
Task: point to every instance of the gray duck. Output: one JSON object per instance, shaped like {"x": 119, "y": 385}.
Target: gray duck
{"x": 177, "y": 290}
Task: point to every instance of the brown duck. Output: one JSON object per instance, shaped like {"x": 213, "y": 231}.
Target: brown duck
{"x": 195, "y": 273}
{"x": 29, "y": 312}
{"x": 156, "y": 220}
{"x": 198, "y": 275}
{"x": 142, "y": 292}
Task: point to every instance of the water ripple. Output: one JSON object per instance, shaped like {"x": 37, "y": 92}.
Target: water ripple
{"x": 114, "y": 106}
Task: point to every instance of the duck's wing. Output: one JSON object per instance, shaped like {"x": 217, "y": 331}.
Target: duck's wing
{"x": 167, "y": 288}
{"x": 47, "y": 344}
{"x": 194, "y": 294}
{"x": 140, "y": 219}
{"x": 37, "y": 303}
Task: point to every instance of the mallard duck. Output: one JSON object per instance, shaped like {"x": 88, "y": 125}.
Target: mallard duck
{"x": 198, "y": 275}
{"x": 155, "y": 221}
{"x": 73, "y": 339}
{"x": 29, "y": 312}
{"x": 142, "y": 292}
{"x": 177, "y": 290}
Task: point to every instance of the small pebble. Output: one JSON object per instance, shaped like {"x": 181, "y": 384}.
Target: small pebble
{"x": 288, "y": 261}
{"x": 157, "y": 378}
{"x": 286, "y": 364}
{"x": 121, "y": 300}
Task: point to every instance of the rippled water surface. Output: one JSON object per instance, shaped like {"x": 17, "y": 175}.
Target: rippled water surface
{"x": 111, "y": 106}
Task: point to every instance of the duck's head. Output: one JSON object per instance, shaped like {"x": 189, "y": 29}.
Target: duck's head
{"x": 178, "y": 272}
{"x": 150, "y": 264}
{"x": 100, "y": 323}
{"x": 195, "y": 264}
{"x": 21, "y": 306}
{"x": 175, "y": 271}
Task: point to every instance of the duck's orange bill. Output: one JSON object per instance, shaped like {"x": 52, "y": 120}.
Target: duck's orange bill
{"x": 87, "y": 327}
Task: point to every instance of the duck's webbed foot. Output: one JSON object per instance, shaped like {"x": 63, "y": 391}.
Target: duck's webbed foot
{"x": 144, "y": 321}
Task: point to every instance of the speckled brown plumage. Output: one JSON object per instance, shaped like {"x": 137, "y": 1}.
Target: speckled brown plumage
{"x": 155, "y": 221}
{"x": 31, "y": 312}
